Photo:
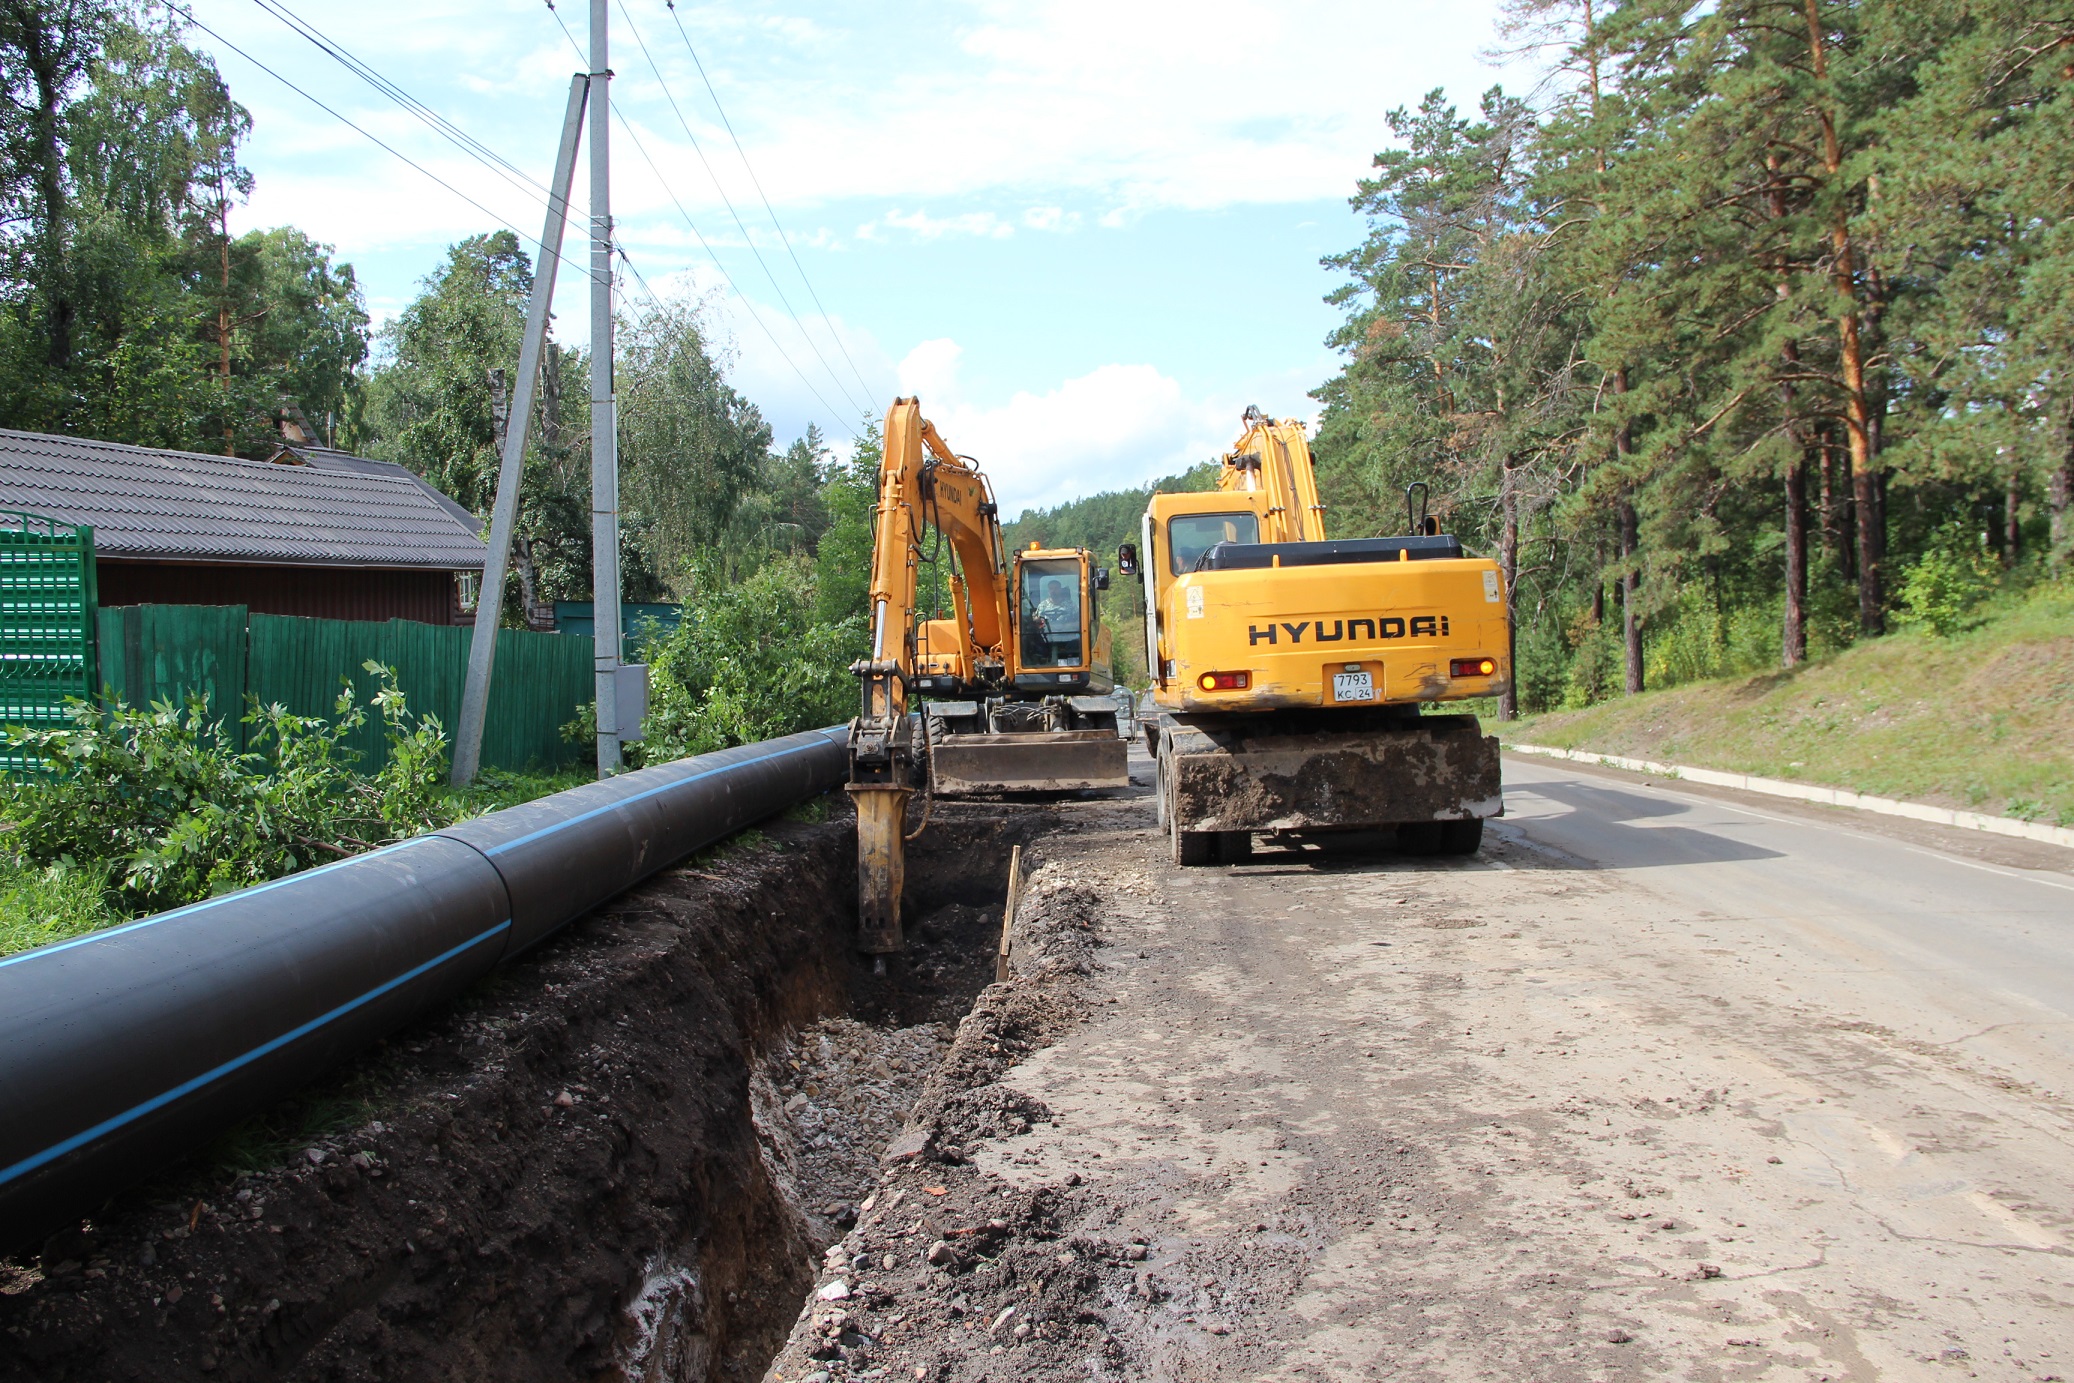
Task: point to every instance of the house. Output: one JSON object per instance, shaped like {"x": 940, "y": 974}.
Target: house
{"x": 313, "y": 531}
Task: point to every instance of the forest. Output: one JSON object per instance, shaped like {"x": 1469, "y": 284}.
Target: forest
{"x": 1746, "y": 337}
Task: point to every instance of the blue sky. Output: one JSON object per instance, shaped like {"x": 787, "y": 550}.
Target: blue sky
{"x": 1088, "y": 234}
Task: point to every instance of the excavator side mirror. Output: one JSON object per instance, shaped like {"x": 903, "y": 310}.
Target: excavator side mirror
{"x": 1101, "y": 578}
{"x": 1127, "y": 559}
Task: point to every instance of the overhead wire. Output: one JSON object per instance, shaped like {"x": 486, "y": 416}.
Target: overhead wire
{"x": 757, "y": 183}
{"x": 338, "y": 53}
{"x": 747, "y": 237}
{"x": 366, "y": 134}
{"x": 832, "y": 413}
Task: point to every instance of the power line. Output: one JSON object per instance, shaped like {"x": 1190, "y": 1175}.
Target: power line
{"x": 757, "y": 183}
{"x": 747, "y": 238}
{"x": 627, "y": 128}
{"x": 338, "y": 53}
{"x": 378, "y": 142}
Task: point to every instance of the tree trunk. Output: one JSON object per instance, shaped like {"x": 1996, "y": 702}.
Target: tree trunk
{"x": 1630, "y": 546}
{"x": 44, "y": 54}
{"x": 2060, "y": 495}
{"x": 1860, "y": 426}
{"x": 1794, "y": 635}
{"x": 1630, "y": 583}
{"x": 2012, "y": 529}
{"x": 1508, "y": 561}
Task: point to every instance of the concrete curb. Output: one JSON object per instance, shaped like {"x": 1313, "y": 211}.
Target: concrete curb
{"x": 1831, "y": 797}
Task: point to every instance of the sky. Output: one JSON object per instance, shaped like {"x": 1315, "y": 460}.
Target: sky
{"x": 1086, "y": 234}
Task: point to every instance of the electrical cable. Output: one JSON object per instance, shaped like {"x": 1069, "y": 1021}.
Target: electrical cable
{"x": 627, "y": 128}
{"x": 748, "y": 239}
{"x": 374, "y": 139}
{"x": 338, "y": 53}
{"x": 757, "y": 183}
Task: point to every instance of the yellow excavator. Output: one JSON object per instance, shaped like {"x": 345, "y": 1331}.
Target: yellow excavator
{"x": 1017, "y": 675}
{"x": 1292, "y": 672}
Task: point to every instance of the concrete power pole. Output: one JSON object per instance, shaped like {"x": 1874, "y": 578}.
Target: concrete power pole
{"x": 489, "y": 600}
{"x": 604, "y": 408}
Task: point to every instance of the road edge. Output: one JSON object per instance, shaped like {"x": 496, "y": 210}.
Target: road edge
{"x": 1806, "y": 792}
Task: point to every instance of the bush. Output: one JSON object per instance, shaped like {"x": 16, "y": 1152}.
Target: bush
{"x": 750, "y": 661}
{"x": 163, "y": 806}
{"x": 1952, "y": 577}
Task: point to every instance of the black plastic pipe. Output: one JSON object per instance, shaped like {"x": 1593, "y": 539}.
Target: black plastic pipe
{"x": 127, "y": 1049}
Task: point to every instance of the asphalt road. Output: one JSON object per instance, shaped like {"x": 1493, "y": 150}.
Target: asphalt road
{"x": 1979, "y": 951}
{"x": 1664, "y": 1084}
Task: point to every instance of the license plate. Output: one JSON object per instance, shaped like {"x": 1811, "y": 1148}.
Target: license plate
{"x": 1353, "y": 686}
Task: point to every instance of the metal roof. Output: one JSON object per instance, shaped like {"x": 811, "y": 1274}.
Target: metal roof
{"x": 173, "y": 506}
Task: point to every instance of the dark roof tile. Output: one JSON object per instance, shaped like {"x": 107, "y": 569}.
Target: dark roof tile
{"x": 178, "y": 505}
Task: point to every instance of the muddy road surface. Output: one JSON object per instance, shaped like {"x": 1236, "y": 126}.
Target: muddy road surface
{"x": 1665, "y": 1084}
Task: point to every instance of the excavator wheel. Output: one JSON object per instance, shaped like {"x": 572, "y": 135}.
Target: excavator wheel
{"x": 1440, "y": 837}
{"x": 1190, "y": 848}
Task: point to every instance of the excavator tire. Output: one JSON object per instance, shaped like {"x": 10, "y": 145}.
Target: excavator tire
{"x": 1440, "y": 837}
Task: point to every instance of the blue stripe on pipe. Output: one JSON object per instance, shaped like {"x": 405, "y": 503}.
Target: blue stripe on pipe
{"x": 77, "y": 1140}
{"x": 641, "y": 797}
{"x": 206, "y": 903}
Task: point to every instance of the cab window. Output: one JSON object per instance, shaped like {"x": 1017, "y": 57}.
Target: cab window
{"x": 1189, "y": 536}
{"x": 1051, "y": 624}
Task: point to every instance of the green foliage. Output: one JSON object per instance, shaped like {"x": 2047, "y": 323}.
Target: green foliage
{"x": 842, "y": 557}
{"x": 750, "y": 662}
{"x": 1949, "y": 581}
{"x": 43, "y": 904}
{"x": 162, "y": 803}
{"x": 126, "y": 310}
{"x": 1733, "y": 244}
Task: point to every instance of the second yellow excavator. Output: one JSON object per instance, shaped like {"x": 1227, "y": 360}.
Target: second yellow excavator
{"x": 1017, "y": 676}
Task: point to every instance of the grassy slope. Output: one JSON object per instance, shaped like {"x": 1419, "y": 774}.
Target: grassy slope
{"x": 1983, "y": 720}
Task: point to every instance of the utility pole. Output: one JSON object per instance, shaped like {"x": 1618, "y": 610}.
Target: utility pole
{"x": 489, "y": 599}
{"x": 604, "y": 409}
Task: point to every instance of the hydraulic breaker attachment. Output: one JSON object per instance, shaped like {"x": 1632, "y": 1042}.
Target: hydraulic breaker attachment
{"x": 881, "y": 780}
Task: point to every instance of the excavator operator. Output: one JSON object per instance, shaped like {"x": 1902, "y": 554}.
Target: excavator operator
{"x": 1052, "y": 635}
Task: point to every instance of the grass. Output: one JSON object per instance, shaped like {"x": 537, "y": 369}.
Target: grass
{"x": 1982, "y": 720}
{"x": 40, "y": 906}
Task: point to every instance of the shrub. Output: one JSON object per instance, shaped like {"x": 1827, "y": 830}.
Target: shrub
{"x": 1952, "y": 577}
{"x": 750, "y": 661}
{"x": 163, "y": 804}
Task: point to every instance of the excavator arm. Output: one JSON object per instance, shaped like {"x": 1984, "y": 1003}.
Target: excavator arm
{"x": 922, "y": 484}
{"x": 1027, "y": 672}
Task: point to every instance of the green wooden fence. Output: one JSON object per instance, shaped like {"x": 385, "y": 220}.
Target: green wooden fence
{"x": 164, "y": 652}
{"x": 46, "y": 621}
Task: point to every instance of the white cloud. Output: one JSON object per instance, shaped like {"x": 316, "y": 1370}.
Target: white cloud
{"x": 1156, "y": 104}
{"x": 922, "y": 226}
{"x": 1115, "y": 426}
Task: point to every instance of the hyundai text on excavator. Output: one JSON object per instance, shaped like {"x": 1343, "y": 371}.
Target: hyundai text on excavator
{"x": 1291, "y": 671}
{"x": 1017, "y": 675}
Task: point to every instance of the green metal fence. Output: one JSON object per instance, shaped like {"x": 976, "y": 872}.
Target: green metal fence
{"x": 46, "y": 621}
{"x": 165, "y": 652}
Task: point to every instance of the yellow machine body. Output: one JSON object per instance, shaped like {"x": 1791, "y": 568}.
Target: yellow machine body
{"x": 1017, "y": 675}
{"x": 1290, "y": 669}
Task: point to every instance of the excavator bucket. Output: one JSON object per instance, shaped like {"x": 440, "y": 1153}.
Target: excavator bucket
{"x": 975, "y": 765}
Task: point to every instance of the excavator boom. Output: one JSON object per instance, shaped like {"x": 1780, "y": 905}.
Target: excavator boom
{"x": 1017, "y": 674}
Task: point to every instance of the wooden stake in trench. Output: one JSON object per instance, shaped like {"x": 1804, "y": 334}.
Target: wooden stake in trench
{"x": 1015, "y": 883}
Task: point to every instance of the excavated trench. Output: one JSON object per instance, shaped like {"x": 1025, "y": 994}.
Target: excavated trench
{"x": 618, "y": 1158}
